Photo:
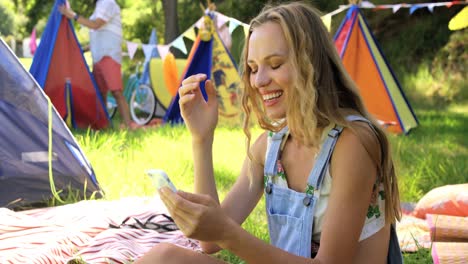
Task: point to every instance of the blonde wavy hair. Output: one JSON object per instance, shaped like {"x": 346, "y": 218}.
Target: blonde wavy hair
{"x": 323, "y": 92}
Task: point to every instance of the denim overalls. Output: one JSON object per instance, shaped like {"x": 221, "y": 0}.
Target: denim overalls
{"x": 290, "y": 213}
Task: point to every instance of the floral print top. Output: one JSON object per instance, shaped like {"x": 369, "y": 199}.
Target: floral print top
{"x": 375, "y": 219}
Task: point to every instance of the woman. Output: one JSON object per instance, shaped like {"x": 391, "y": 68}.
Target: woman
{"x": 323, "y": 164}
{"x": 106, "y": 50}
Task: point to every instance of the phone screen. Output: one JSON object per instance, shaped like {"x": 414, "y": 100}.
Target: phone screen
{"x": 160, "y": 179}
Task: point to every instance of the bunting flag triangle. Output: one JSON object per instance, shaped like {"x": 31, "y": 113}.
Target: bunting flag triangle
{"x": 180, "y": 44}
{"x": 147, "y": 50}
{"x": 233, "y": 24}
{"x": 163, "y": 50}
{"x": 395, "y": 8}
{"x": 154, "y": 41}
{"x": 190, "y": 34}
{"x": 131, "y": 48}
{"x": 246, "y": 29}
{"x": 414, "y": 8}
{"x": 431, "y": 8}
{"x": 327, "y": 19}
{"x": 221, "y": 20}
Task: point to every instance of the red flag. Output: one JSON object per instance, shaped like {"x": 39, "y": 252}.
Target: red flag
{"x": 32, "y": 42}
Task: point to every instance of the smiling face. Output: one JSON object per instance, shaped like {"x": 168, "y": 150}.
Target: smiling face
{"x": 270, "y": 68}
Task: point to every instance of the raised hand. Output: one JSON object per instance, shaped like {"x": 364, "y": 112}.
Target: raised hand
{"x": 199, "y": 115}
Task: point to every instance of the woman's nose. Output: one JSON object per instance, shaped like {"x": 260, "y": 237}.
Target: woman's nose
{"x": 262, "y": 78}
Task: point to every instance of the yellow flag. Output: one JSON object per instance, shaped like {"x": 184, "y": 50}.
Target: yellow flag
{"x": 190, "y": 34}
{"x": 460, "y": 20}
{"x": 326, "y": 19}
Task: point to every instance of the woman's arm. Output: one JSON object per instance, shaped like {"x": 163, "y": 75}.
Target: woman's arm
{"x": 70, "y": 14}
{"x": 201, "y": 117}
{"x": 353, "y": 169}
{"x": 244, "y": 195}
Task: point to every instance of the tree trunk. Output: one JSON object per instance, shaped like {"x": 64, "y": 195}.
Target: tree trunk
{"x": 171, "y": 20}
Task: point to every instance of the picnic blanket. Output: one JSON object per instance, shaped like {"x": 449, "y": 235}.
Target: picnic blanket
{"x": 87, "y": 232}
{"x": 445, "y": 235}
{"x": 120, "y": 231}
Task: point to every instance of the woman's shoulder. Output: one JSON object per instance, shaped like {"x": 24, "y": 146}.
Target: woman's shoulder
{"x": 360, "y": 138}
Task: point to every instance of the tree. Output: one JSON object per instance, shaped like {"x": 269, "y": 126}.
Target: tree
{"x": 7, "y": 26}
{"x": 171, "y": 20}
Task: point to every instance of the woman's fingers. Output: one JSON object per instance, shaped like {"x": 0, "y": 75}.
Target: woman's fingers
{"x": 175, "y": 202}
{"x": 188, "y": 88}
{"x": 211, "y": 92}
{"x": 186, "y": 98}
{"x": 196, "y": 198}
{"x": 194, "y": 78}
{"x": 182, "y": 223}
{"x": 185, "y": 213}
{"x": 191, "y": 84}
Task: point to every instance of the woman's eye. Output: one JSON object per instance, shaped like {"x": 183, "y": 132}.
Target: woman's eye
{"x": 276, "y": 66}
{"x": 253, "y": 71}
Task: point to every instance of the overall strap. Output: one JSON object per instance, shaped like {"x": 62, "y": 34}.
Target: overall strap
{"x": 352, "y": 118}
{"x": 270, "y": 167}
{"x": 317, "y": 174}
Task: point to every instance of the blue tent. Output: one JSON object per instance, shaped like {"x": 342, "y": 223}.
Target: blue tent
{"x": 210, "y": 56}
{"x": 200, "y": 62}
{"x": 61, "y": 70}
{"x": 28, "y": 161}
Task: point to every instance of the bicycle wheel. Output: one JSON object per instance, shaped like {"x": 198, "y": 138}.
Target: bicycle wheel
{"x": 111, "y": 105}
{"x": 132, "y": 84}
{"x": 142, "y": 104}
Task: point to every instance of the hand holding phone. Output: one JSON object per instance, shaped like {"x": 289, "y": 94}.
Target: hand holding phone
{"x": 160, "y": 179}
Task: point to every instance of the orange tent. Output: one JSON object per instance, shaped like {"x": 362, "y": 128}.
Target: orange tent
{"x": 368, "y": 67}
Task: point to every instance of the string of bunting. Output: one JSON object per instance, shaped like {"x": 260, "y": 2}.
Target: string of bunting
{"x": 222, "y": 20}
{"x": 395, "y": 7}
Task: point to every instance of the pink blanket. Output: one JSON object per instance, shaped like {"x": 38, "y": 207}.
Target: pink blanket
{"x": 82, "y": 231}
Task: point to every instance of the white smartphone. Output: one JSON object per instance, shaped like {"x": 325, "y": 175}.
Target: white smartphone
{"x": 159, "y": 178}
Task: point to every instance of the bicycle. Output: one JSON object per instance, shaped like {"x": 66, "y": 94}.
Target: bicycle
{"x": 139, "y": 95}
{"x": 143, "y": 102}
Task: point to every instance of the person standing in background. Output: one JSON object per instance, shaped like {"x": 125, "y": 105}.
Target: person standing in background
{"x": 106, "y": 50}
